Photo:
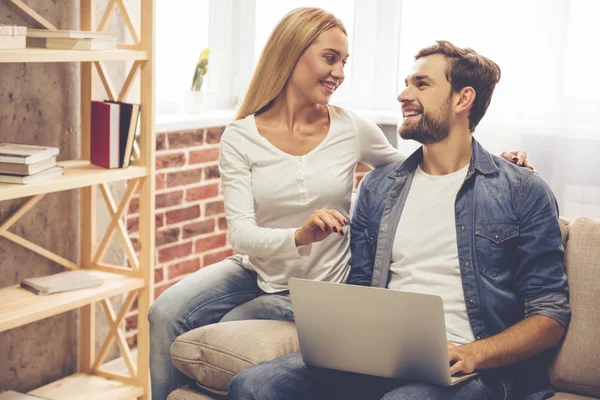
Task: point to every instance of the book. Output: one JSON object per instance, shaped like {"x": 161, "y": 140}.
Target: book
{"x": 105, "y": 141}
{"x": 12, "y": 42}
{"x": 25, "y": 153}
{"x": 12, "y": 395}
{"x": 61, "y": 282}
{"x": 27, "y": 169}
{"x": 81, "y": 44}
{"x": 67, "y": 34}
{"x": 127, "y": 128}
{"x": 39, "y": 177}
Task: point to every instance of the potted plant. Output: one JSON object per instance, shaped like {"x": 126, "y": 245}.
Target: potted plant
{"x": 195, "y": 96}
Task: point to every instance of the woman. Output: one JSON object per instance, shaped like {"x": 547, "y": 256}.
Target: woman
{"x": 288, "y": 154}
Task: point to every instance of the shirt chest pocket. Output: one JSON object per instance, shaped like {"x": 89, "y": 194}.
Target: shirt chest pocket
{"x": 495, "y": 243}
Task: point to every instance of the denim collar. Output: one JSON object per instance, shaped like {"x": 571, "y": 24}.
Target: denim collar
{"x": 481, "y": 161}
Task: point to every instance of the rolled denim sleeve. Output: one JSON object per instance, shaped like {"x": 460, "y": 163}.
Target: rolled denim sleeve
{"x": 361, "y": 262}
{"x": 540, "y": 276}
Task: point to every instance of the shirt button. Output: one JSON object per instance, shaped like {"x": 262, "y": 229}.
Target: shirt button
{"x": 496, "y": 237}
{"x": 478, "y": 337}
{"x": 471, "y": 302}
{"x": 462, "y": 228}
{"x": 301, "y": 184}
{"x": 466, "y": 264}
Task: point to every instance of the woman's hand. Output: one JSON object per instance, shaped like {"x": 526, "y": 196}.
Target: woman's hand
{"x": 319, "y": 225}
{"x": 517, "y": 157}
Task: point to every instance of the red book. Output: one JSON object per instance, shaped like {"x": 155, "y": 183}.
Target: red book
{"x": 105, "y": 141}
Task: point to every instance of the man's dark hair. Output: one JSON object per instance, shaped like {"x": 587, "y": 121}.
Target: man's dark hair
{"x": 467, "y": 68}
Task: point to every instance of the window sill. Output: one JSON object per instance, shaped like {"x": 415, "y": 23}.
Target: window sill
{"x": 211, "y": 118}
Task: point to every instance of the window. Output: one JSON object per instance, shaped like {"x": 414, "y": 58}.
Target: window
{"x": 182, "y": 28}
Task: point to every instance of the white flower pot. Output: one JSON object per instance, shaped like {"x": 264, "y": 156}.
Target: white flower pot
{"x": 193, "y": 102}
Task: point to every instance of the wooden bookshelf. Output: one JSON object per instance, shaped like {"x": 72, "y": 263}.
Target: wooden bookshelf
{"x": 135, "y": 279}
{"x": 76, "y": 174}
{"x": 20, "y": 306}
{"x": 51, "y": 55}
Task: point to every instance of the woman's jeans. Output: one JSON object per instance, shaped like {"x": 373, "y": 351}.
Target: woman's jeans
{"x": 225, "y": 291}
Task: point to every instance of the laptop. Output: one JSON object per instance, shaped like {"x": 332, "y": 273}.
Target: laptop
{"x": 372, "y": 331}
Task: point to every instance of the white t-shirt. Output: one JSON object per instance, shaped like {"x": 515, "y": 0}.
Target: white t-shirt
{"x": 269, "y": 194}
{"x": 425, "y": 252}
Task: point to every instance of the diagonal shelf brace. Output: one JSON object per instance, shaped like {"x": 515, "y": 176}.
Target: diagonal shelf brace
{"x": 110, "y": 204}
{"x": 106, "y": 81}
{"x": 107, "y": 13}
{"x": 29, "y": 204}
{"x": 31, "y": 12}
{"x": 116, "y": 221}
{"x": 129, "y": 22}
{"x": 129, "y": 81}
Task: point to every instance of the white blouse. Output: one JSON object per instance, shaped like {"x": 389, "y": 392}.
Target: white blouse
{"x": 269, "y": 194}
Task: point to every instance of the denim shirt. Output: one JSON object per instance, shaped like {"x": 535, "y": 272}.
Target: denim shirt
{"x": 507, "y": 232}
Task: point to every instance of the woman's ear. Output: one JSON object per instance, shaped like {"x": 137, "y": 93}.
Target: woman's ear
{"x": 465, "y": 99}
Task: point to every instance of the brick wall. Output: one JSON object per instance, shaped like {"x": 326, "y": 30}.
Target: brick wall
{"x": 191, "y": 230}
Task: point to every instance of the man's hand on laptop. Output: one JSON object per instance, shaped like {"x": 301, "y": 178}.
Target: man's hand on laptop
{"x": 461, "y": 361}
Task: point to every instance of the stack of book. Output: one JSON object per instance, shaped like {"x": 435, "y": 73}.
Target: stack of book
{"x": 12, "y": 37}
{"x": 22, "y": 163}
{"x": 113, "y": 128}
{"x": 61, "y": 282}
{"x": 75, "y": 40}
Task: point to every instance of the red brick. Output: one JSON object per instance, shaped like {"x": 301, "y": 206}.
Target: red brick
{"x": 169, "y": 199}
{"x": 134, "y": 205}
{"x": 204, "y": 156}
{"x": 133, "y": 224}
{"x": 170, "y": 160}
{"x": 210, "y": 243}
{"x": 214, "y": 208}
{"x": 223, "y": 223}
{"x": 202, "y": 192}
{"x": 135, "y": 242}
{"x": 166, "y": 236}
{"x": 179, "y": 140}
{"x": 211, "y": 172}
{"x": 362, "y": 168}
{"x": 213, "y": 135}
{"x": 186, "y": 177}
{"x": 175, "y": 252}
{"x": 131, "y": 341}
{"x": 159, "y": 220}
{"x": 160, "y": 181}
{"x": 198, "y": 228}
{"x": 183, "y": 214}
{"x": 161, "y": 141}
{"x": 214, "y": 258}
{"x": 182, "y": 268}
{"x": 158, "y": 290}
{"x": 131, "y": 323}
{"x": 159, "y": 275}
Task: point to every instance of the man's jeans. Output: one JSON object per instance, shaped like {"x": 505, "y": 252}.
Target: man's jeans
{"x": 225, "y": 291}
{"x": 289, "y": 378}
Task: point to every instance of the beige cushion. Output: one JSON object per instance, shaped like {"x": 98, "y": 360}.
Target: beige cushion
{"x": 577, "y": 365}
{"x": 214, "y": 354}
{"x": 569, "y": 396}
{"x": 188, "y": 394}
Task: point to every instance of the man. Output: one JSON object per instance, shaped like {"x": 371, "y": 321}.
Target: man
{"x": 455, "y": 221}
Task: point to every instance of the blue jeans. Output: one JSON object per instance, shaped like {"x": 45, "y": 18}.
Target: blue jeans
{"x": 225, "y": 291}
{"x": 288, "y": 378}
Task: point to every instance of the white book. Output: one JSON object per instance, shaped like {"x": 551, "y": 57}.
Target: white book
{"x": 62, "y": 282}
{"x": 39, "y": 177}
{"x": 27, "y": 169}
{"x": 25, "y": 153}
{"x": 81, "y": 44}
{"x": 12, "y": 42}
{"x": 67, "y": 34}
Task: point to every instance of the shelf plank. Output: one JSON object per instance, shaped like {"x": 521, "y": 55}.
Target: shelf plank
{"x": 76, "y": 174}
{"x": 90, "y": 387}
{"x": 19, "y": 306}
{"x": 52, "y": 55}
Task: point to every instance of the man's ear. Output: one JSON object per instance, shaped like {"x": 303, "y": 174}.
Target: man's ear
{"x": 464, "y": 99}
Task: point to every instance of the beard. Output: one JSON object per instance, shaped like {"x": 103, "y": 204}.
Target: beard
{"x": 431, "y": 128}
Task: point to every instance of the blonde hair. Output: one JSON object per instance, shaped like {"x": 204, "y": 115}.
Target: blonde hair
{"x": 289, "y": 39}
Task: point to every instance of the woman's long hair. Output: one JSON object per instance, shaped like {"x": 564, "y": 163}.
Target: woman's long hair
{"x": 292, "y": 35}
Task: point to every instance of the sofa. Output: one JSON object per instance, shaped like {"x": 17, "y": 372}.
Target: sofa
{"x": 213, "y": 354}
